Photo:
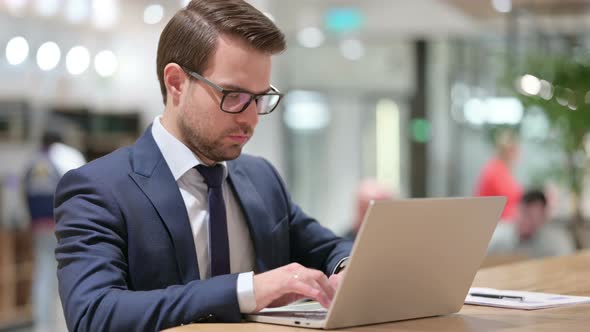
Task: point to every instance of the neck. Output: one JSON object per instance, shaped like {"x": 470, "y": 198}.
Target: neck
{"x": 169, "y": 124}
{"x": 505, "y": 159}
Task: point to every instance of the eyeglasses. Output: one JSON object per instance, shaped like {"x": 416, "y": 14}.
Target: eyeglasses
{"x": 235, "y": 101}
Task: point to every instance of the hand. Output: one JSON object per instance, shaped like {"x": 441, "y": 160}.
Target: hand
{"x": 290, "y": 283}
{"x": 335, "y": 279}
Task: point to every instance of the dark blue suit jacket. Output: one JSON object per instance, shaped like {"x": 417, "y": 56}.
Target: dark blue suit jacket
{"x": 126, "y": 254}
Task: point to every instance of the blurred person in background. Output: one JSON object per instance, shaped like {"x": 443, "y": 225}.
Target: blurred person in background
{"x": 367, "y": 191}
{"x": 531, "y": 233}
{"x": 41, "y": 177}
{"x": 496, "y": 177}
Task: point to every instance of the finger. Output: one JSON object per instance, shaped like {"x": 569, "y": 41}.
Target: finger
{"x": 286, "y": 299}
{"x": 323, "y": 282}
{"x": 327, "y": 297}
{"x": 308, "y": 290}
{"x": 334, "y": 280}
{"x": 338, "y": 276}
{"x": 320, "y": 278}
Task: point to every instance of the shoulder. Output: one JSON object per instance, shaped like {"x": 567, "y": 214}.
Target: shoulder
{"x": 105, "y": 169}
{"x": 492, "y": 168}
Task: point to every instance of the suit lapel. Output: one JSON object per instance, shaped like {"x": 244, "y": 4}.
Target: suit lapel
{"x": 153, "y": 176}
{"x": 257, "y": 217}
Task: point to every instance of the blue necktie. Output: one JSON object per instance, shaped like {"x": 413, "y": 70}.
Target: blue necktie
{"x": 218, "y": 242}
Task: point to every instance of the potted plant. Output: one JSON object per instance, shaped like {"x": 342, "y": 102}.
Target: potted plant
{"x": 560, "y": 87}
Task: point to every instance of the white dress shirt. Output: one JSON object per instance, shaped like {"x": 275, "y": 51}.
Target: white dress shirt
{"x": 181, "y": 161}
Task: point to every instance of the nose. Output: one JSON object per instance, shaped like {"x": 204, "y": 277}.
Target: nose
{"x": 249, "y": 116}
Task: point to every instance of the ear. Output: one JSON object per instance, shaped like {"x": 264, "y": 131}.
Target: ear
{"x": 175, "y": 80}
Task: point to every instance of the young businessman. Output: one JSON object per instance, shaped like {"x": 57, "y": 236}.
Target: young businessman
{"x": 181, "y": 227}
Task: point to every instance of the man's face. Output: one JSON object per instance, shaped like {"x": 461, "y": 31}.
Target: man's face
{"x": 209, "y": 132}
{"x": 514, "y": 152}
{"x": 532, "y": 216}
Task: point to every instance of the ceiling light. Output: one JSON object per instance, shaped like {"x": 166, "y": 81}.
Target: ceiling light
{"x": 153, "y": 14}
{"x": 306, "y": 110}
{"x": 105, "y": 63}
{"x": 17, "y": 50}
{"x": 76, "y": 11}
{"x": 48, "y": 56}
{"x": 502, "y": 6}
{"x": 77, "y": 60}
{"x": 310, "y": 37}
{"x": 47, "y": 8}
{"x": 105, "y": 13}
{"x": 352, "y": 49}
{"x": 15, "y": 7}
{"x": 530, "y": 85}
{"x": 546, "y": 91}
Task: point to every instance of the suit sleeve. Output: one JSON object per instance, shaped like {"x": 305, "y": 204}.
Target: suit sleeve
{"x": 93, "y": 271}
{"x": 312, "y": 245}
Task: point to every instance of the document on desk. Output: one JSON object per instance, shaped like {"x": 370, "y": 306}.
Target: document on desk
{"x": 520, "y": 299}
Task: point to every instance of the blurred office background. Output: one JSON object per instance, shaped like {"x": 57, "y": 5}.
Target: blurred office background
{"x": 407, "y": 92}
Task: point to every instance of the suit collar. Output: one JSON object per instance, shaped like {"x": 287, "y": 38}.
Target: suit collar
{"x": 152, "y": 174}
{"x": 257, "y": 217}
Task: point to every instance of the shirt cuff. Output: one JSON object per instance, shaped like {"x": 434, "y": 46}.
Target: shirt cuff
{"x": 245, "y": 290}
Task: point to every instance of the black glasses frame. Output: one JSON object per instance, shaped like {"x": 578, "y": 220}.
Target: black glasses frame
{"x": 226, "y": 92}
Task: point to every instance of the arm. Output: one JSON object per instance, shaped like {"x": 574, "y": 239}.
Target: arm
{"x": 93, "y": 271}
{"x": 315, "y": 252}
{"x": 312, "y": 245}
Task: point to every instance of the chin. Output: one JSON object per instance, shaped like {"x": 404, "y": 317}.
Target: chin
{"x": 233, "y": 154}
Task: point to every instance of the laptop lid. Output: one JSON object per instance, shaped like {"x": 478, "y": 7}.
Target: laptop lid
{"x": 414, "y": 258}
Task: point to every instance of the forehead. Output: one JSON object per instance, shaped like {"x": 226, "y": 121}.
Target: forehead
{"x": 235, "y": 62}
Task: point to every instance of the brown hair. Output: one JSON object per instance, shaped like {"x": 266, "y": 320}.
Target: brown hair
{"x": 190, "y": 37}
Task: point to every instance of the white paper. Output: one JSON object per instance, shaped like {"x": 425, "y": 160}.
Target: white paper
{"x": 531, "y": 300}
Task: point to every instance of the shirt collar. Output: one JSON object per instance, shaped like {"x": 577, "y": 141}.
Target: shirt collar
{"x": 179, "y": 157}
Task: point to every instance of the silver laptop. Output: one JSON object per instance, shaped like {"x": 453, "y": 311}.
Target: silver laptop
{"x": 411, "y": 259}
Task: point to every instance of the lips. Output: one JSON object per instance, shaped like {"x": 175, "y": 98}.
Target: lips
{"x": 239, "y": 138}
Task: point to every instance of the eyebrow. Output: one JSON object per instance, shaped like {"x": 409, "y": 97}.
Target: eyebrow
{"x": 238, "y": 88}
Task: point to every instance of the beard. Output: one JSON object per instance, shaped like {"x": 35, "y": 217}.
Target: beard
{"x": 213, "y": 149}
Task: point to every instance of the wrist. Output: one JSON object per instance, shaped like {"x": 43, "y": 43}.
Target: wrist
{"x": 259, "y": 293}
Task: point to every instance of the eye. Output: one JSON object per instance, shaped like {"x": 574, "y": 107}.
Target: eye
{"x": 234, "y": 96}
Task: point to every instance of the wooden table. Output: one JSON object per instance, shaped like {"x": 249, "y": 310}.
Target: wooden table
{"x": 564, "y": 275}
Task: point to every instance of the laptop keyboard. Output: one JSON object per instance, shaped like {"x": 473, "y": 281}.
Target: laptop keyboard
{"x": 319, "y": 315}
{"x": 307, "y": 310}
